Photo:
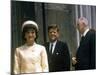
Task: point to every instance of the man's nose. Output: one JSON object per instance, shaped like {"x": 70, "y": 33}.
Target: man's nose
{"x": 52, "y": 33}
{"x": 30, "y": 33}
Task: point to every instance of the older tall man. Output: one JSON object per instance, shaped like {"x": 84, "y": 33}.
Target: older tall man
{"x": 85, "y": 55}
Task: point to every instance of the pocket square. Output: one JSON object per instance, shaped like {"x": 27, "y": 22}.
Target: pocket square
{"x": 57, "y": 53}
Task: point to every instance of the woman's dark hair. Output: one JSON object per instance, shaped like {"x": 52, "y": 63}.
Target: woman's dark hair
{"x": 27, "y": 28}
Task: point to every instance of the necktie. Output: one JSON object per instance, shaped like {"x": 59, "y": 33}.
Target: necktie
{"x": 51, "y": 48}
{"x": 82, "y": 38}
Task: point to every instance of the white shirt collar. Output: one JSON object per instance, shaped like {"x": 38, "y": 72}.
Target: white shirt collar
{"x": 85, "y": 32}
{"x": 54, "y": 44}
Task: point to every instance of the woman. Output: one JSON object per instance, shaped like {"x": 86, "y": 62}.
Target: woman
{"x": 30, "y": 57}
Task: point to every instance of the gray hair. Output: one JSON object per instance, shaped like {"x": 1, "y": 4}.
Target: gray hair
{"x": 83, "y": 20}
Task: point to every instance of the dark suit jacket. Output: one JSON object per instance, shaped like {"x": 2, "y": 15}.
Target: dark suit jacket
{"x": 86, "y": 52}
{"x": 60, "y": 59}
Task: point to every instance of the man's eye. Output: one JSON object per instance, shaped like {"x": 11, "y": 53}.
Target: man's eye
{"x": 33, "y": 32}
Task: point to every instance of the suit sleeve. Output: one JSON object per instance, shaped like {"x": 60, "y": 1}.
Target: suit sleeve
{"x": 93, "y": 51}
{"x": 67, "y": 55}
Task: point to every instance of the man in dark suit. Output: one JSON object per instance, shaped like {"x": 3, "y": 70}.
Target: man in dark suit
{"x": 86, "y": 54}
{"x": 57, "y": 51}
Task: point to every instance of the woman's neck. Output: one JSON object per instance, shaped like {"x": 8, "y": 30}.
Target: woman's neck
{"x": 30, "y": 43}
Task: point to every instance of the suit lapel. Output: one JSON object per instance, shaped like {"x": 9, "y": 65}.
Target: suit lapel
{"x": 56, "y": 47}
{"x": 48, "y": 47}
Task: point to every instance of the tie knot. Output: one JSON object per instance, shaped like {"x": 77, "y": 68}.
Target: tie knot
{"x": 51, "y": 44}
{"x": 82, "y": 38}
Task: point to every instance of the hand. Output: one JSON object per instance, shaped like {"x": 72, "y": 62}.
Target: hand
{"x": 74, "y": 60}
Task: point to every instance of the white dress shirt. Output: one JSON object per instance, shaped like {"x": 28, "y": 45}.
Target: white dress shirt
{"x": 30, "y": 59}
{"x": 54, "y": 44}
{"x": 85, "y": 32}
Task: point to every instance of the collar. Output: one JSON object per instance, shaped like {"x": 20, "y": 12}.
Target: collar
{"x": 31, "y": 45}
{"x": 85, "y": 32}
{"x": 54, "y": 43}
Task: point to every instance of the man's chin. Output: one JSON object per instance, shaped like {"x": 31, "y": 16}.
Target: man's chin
{"x": 31, "y": 40}
{"x": 52, "y": 40}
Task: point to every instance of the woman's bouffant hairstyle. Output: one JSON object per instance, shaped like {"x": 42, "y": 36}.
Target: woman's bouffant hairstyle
{"x": 27, "y": 26}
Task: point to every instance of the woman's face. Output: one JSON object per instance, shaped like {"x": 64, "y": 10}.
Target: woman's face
{"x": 30, "y": 36}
